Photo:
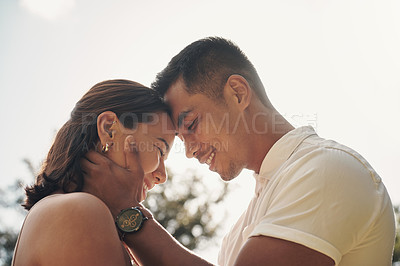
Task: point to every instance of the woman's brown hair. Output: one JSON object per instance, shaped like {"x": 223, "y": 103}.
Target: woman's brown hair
{"x": 130, "y": 101}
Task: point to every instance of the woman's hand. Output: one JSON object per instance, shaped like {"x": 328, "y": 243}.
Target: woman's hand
{"x": 118, "y": 187}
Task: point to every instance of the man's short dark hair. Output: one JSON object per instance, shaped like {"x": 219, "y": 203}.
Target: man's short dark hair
{"x": 205, "y": 65}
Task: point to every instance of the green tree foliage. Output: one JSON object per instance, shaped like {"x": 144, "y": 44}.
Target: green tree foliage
{"x": 7, "y": 244}
{"x": 396, "y": 252}
{"x": 187, "y": 208}
{"x": 10, "y": 201}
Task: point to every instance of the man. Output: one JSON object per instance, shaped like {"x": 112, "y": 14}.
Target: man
{"x": 316, "y": 202}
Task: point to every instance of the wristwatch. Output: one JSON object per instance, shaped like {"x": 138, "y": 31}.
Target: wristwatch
{"x": 130, "y": 220}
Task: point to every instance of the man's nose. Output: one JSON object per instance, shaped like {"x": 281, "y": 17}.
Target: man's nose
{"x": 191, "y": 146}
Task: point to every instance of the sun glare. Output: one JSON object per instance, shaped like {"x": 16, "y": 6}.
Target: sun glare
{"x": 48, "y": 9}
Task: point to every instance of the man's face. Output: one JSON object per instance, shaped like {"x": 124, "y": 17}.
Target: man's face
{"x": 209, "y": 129}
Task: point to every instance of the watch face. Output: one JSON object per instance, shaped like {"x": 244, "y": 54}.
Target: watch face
{"x": 129, "y": 220}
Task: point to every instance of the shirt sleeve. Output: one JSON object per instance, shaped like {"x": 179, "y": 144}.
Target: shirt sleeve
{"x": 325, "y": 201}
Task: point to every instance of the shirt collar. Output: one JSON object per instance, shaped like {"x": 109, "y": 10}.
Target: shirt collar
{"x": 280, "y": 152}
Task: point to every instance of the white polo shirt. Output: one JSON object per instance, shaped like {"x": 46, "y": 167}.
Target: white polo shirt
{"x": 322, "y": 195}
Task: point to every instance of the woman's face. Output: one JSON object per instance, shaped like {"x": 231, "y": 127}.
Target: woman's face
{"x": 153, "y": 141}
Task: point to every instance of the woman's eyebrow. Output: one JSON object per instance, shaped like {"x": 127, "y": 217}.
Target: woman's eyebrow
{"x": 165, "y": 142}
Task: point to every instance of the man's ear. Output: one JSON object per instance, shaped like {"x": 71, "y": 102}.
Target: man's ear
{"x": 240, "y": 90}
{"x": 105, "y": 126}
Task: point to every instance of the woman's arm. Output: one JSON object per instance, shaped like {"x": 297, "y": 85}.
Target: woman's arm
{"x": 153, "y": 245}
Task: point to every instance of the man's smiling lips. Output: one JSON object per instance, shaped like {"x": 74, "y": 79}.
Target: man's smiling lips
{"x": 207, "y": 158}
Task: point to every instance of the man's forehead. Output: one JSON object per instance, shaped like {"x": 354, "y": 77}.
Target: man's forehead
{"x": 176, "y": 90}
{"x": 178, "y": 100}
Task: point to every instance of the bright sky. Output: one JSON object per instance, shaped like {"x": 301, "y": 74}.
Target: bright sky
{"x": 332, "y": 64}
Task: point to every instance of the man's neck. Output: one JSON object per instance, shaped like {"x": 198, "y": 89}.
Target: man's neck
{"x": 268, "y": 128}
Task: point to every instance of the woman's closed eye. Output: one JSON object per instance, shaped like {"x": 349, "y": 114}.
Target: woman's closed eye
{"x": 163, "y": 147}
{"x": 162, "y": 153}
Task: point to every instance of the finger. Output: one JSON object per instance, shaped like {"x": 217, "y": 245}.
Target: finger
{"x": 94, "y": 157}
{"x": 86, "y": 158}
{"x": 87, "y": 164}
{"x": 93, "y": 162}
{"x": 130, "y": 145}
{"x": 132, "y": 156}
{"x": 130, "y": 151}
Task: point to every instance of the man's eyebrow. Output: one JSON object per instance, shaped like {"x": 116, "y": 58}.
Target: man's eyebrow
{"x": 165, "y": 142}
{"x": 182, "y": 116}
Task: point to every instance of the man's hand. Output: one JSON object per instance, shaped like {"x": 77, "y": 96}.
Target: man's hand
{"x": 118, "y": 187}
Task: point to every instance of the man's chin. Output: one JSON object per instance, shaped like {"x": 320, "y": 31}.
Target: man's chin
{"x": 228, "y": 177}
{"x": 232, "y": 173}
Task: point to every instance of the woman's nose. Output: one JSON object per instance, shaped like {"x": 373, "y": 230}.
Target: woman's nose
{"x": 160, "y": 174}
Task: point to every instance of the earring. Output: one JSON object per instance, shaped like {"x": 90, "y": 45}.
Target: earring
{"x": 105, "y": 148}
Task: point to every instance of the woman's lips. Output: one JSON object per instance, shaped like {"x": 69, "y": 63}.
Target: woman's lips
{"x": 144, "y": 191}
{"x": 146, "y": 187}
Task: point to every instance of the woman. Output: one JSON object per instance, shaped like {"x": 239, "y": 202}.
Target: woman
{"x": 67, "y": 226}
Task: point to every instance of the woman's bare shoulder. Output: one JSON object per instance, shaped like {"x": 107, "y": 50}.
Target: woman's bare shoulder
{"x": 72, "y": 214}
{"x": 68, "y": 199}
{"x": 75, "y": 223}
{"x": 73, "y": 205}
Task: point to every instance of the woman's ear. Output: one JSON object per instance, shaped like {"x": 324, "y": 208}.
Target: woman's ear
{"x": 106, "y": 128}
{"x": 240, "y": 90}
